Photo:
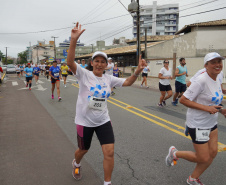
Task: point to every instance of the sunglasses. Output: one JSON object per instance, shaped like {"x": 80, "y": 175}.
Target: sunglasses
{"x": 166, "y": 62}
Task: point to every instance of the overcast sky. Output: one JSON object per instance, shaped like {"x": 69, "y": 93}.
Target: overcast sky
{"x": 22, "y": 16}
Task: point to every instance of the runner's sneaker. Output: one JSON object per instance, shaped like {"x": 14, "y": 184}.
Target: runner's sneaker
{"x": 171, "y": 158}
{"x": 141, "y": 85}
{"x": 52, "y": 96}
{"x": 186, "y": 130}
{"x": 194, "y": 181}
{"x": 65, "y": 86}
{"x": 160, "y": 105}
{"x": 164, "y": 103}
{"x": 112, "y": 93}
{"x": 59, "y": 98}
{"x": 76, "y": 173}
{"x": 26, "y": 85}
{"x": 30, "y": 89}
{"x": 147, "y": 87}
{"x": 176, "y": 101}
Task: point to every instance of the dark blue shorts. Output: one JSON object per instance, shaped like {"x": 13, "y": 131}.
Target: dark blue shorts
{"x": 179, "y": 87}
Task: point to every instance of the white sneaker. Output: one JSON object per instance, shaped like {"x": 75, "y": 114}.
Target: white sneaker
{"x": 65, "y": 86}
{"x": 141, "y": 85}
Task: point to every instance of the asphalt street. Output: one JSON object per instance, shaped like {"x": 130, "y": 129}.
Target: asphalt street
{"x": 38, "y": 138}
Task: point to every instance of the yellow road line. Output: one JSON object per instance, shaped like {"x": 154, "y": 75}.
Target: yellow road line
{"x": 169, "y": 122}
{"x": 221, "y": 146}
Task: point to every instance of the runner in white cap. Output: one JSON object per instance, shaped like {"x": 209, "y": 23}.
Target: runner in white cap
{"x": 202, "y": 98}
{"x": 91, "y": 109}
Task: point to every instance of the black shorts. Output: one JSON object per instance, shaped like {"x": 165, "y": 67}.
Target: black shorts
{"x": 104, "y": 134}
{"x": 192, "y": 132}
{"x": 28, "y": 78}
{"x": 64, "y": 75}
{"x": 47, "y": 73}
{"x": 144, "y": 74}
{"x": 53, "y": 80}
{"x": 36, "y": 74}
{"x": 179, "y": 87}
{"x": 17, "y": 72}
{"x": 164, "y": 87}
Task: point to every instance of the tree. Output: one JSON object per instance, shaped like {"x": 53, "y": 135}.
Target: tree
{"x": 1, "y": 55}
{"x": 22, "y": 57}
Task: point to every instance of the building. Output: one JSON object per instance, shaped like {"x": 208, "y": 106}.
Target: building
{"x": 157, "y": 19}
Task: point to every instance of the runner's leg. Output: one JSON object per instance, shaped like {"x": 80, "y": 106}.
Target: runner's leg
{"x": 108, "y": 163}
{"x": 169, "y": 94}
{"x": 58, "y": 88}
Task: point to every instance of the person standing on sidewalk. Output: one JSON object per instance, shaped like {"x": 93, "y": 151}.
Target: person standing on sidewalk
{"x": 29, "y": 74}
{"x": 55, "y": 73}
{"x": 145, "y": 75}
{"x": 91, "y": 109}
{"x": 202, "y": 98}
{"x": 64, "y": 69}
{"x": 180, "y": 83}
{"x": 109, "y": 71}
{"x": 165, "y": 75}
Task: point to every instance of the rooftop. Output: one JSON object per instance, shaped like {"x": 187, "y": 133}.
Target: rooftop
{"x": 153, "y": 38}
{"x": 187, "y": 28}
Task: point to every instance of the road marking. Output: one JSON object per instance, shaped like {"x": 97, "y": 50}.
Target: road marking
{"x": 221, "y": 146}
{"x": 40, "y": 88}
{"x": 14, "y": 83}
{"x": 39, "y": 81}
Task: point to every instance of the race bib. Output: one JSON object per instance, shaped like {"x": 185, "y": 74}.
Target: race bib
{"x": 47, "y": 70}
{"x": 29, "y": 74}
{"x": 202, "y": 134}
{"x": 97, "y": 103}
{"x": 56, "y": 74}
{"x": 64, "y": 71}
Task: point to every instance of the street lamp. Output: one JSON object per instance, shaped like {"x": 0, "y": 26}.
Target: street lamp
{"x": 132, "y": 8}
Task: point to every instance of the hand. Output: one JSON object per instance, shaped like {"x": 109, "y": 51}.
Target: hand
{"x": 184, "y": 73}
{"x": 213, "y": 109}
{"x": 224, "y": 91}
{"x": 76, "y": 31}
{"x": 61, "y": 78}
{"x": 142, "y": 64}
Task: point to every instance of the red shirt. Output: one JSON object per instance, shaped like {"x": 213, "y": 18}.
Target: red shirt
{"x": 1, "y": 69}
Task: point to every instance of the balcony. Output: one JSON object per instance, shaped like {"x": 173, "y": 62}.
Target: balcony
{"x": 170, "y": 24}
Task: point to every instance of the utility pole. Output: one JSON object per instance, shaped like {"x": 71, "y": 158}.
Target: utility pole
{"x": 92, "y": 47}
{"x": 54, "y": 47}
{"x": 138, "y": 33}
{"x": 6, "y": 56}
{"x": 145, "y": 43}
{"x": 37, "y": 53}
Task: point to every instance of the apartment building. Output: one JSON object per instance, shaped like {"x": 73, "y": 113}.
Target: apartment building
{"x": 158, "y": 19}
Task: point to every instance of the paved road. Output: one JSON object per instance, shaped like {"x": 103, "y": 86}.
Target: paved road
{"x": 37, "y": 148}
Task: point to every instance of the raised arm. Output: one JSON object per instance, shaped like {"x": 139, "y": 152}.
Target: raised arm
{"x": 129, "y": 81}
{"x": 75, "y": 34}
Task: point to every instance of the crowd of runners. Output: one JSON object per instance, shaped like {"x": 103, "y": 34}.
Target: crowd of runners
{"x": 100, "y": 76}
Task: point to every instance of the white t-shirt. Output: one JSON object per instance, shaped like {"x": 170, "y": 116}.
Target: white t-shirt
{"x": 145, "y": 70}
{"x": 204, "y": 90}
{"x": 165, "y": 73}
{"x": 221, "y": 75}
{"x": 99, "y": 87}
{"x": 110, "y": 71}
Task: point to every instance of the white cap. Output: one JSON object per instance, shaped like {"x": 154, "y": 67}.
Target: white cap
{"x": 109, "y": 58}
{"x": 99, "y": 53}
{"x": 211, "y": 56}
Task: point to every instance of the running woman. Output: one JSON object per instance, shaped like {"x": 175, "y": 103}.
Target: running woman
{"x": 165, "y": 75}
{"x": 55, "y": 73}
{"x": 202, "y": 99}
{"x": 21, "y": 69}
{"x": 180, "y": 83}
{"x": 91, "y": 109}
{"x": 36, "y": 71}
{"x": 47, "y": 71}
{"x": 64, "y": 69}
{"x": 116, "y": 70}
{"x": 18, "y": 71}
{"x": 145, "y": 75}
{"x": 29, "y": 74}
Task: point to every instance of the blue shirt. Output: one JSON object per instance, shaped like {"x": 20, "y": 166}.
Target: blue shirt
{"x": 36, "y": 69}
{"x": 83, "y": 66}
{"x": 55, "y": 71}
{"x": 29, "y": 71}
{"x": 182, "y": 78}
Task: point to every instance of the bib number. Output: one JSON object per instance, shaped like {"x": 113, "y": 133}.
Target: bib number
{"x": 64, "y": 71}
{"x": 56, "y": 74}
{"x": 97, "y": 103}
{"x": 29, "y": 74}
{"x": 202, "y": 134}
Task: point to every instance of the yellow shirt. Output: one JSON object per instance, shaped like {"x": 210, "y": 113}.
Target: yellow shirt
{"x": 64, "y": 70}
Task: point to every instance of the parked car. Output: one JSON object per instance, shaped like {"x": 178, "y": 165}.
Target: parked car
{"x": 4, "y": 67}
{"x": 10, "y": 69}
